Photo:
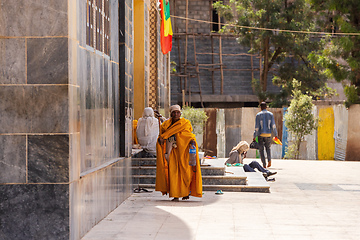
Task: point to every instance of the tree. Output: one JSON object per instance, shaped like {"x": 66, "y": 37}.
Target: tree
{"x": 299, "y": 119}
{"x": 197, "y": 117}
{"x": 341, "y": 57}
{"x": 284, "y": 53}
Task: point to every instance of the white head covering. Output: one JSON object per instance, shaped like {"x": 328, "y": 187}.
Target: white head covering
{"x": 147, "y": 130}
{"x": 147, "y": 115}
{"x": 148, "y": 112}
{"x": 175, "y": 108}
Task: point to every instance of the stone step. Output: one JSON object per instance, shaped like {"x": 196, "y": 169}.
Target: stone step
{"x": 151, "y": 170}
{"x": 210, "y": 170}
{"x": 224, "y": 188}
{"x": 214, "y": 174}
{"x": 224, "y": 180}
{"x": 143, "y": 162}
{"x": 207, "y": 180}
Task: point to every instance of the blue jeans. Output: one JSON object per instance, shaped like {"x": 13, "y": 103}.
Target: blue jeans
{"x": 254, "y": 165}
{"x": 265, "y": 141}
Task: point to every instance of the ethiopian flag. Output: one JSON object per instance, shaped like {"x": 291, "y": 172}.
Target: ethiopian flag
{"x": 166, "y": 29}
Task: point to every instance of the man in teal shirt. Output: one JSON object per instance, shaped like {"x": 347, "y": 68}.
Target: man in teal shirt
{"x": 264, "y": 127}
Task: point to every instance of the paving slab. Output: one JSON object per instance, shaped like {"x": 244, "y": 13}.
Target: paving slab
{"x": 308, "y": 200}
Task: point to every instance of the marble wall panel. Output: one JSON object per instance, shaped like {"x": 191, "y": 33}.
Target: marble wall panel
{"x": 75, "y": 156}
{"x": 114, "y": 31}
{"x": 81, "y": 19}
{"x": 116, "y": 107}
{"x": 34, "y": 211}
{"x": 13, "y": 158}
{"x": 47, "y": 60}
{"x": 74, "y": 109}
{"x": 72, "y": 19}
{"x": 106, "y": 84}
{"x": 12, "y": 61}
{"x": 50, "y": 118}
{"x": 83, "y": 69}
{"x": 117, "y": 175}
{"x": 48, "y": 159}
{"x": 75, "y": 210}
{"x": 34, "y": 18}
{"x": 73, "y": 53}
{"x": 14, "y": 110}
{"x": 98, "y": 193}
{"x": 128, "y": 178}
{"x": 97, "y": 101}
{"x": 26, "y": 109}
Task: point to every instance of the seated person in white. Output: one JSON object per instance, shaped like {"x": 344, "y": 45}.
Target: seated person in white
{"x": 147, "y": 132}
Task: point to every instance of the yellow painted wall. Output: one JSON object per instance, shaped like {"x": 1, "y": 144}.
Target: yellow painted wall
{"x": 139, "y": 59}
{"x": 326, "y": 142}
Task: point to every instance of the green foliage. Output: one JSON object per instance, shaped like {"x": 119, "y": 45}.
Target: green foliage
{"x": 299, "y": 118}
{"x": 285, "y": 54}
{"x": 291, "y": 152}
{"x": 173, "y": 67}
{"x": 280, "y": 99}
{"x": 341, "y": 56}
{"x": 197, "y": 117}
{"x": 255, "y": 83}
{"x": 351, "y": 93}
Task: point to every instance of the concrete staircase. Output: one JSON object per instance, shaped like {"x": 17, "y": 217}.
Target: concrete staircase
{"x": 215, "y": 176}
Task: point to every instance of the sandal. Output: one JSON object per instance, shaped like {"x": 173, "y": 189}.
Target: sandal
{"x": 186, "y": 198}
{"x": 238, "y": 165}
{"x": 219, "y": 192}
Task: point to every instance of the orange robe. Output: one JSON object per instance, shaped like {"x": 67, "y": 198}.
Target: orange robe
{"x": 176, "y": 177}
{"x": 135, "y": 139}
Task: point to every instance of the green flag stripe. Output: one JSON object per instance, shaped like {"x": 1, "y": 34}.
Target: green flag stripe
{"x": 166, "y": 9}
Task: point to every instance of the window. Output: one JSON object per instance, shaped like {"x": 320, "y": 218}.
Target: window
{"x": 98, "y": 25}
{"x": 216, "y": 20}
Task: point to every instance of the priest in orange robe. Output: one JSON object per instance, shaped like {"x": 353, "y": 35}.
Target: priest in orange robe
{"x": 174, "y": 175}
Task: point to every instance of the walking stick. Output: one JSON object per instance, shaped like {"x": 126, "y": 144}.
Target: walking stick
{"x": 166, "y": 171}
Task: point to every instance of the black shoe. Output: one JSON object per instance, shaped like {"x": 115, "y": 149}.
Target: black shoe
{"x": 271, "y": 173}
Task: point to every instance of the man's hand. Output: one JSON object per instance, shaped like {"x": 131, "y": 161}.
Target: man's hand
{"x": 161, "y": 141}
{"x": 192, "y": 142}
{"x": 157, "y": 114}
{"x": 245, "y": 154}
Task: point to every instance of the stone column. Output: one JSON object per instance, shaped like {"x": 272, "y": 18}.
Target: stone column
{"x": 60, "y": 170}
{"x": 153, "y": 43}
{"x": 34, "y": 120}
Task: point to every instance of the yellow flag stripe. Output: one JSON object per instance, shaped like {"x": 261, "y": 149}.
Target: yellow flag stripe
{"x": 167, "y": 28}
{"x": 167, "y": 23}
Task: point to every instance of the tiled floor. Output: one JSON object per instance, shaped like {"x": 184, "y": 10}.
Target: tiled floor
{"x": 308, "y": 200}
